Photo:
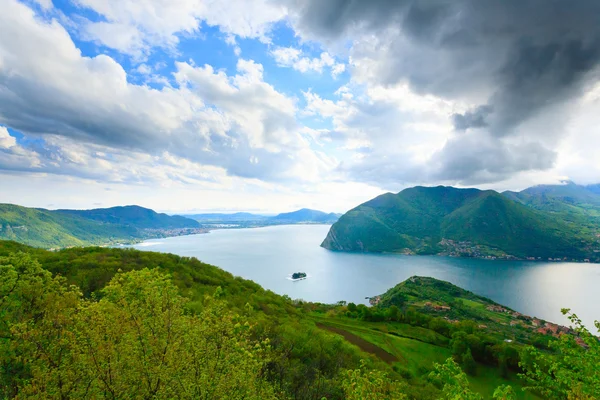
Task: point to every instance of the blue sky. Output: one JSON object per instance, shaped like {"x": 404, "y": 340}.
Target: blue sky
{"x": 270, "y": 105}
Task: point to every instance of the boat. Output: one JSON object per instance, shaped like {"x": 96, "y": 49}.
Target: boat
{"x": 296, "y": 276}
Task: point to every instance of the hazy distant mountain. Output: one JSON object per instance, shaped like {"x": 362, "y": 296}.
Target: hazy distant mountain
{"x": 430, "y": 220}
{"x": 306, "y": 215}
{"x": 63, "y": 228}
{"x": 222, "y": 217}
{"x": 594, "y": 188}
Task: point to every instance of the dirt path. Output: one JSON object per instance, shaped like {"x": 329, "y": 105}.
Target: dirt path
{"x": 361, "y": 343}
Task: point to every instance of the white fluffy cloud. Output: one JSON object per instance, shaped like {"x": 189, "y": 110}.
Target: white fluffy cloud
{"x": 294, "y": 58}
{"x": 135, "y": 27}
{"x": 238, "y": 123}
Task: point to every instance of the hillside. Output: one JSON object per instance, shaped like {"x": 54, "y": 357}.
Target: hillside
{"x": 573, "y": 203}
{"x": 305, "y": 215}
{"x": 460, "y": 222}
{"x": 65, "y": 228}
{"x": 205, "y": 316}
{"x": 136, "y": 216}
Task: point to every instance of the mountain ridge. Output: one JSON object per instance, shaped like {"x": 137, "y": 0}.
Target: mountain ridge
{"x": 65, "y": 228}
{"x": 460, "y": 222}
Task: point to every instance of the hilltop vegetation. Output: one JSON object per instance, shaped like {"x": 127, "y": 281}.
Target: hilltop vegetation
{"x": 116, "y": 323}
{"x": 575, "y": 204}
{"x": 463, "y": 222}
{"x": 65, "y": 228}
{"x": 139, "y": 217}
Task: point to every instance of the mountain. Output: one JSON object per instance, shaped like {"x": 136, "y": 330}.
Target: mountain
{"x": 306, "y": 215}
{"x": 573, "y": 203}
{"x": 222, "y": 217}
{"x": 594, "y": 188}
{"x": 64, "y": 228}
{"x": 464, "y": 222}
{"x": 139, "y": 217}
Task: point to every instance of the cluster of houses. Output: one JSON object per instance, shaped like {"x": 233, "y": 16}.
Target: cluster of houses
{"x": 540, "y": 326}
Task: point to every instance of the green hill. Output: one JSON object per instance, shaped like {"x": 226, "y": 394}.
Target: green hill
{"x": 575, "y": 204}
{"x": 139, "y": 217}
{"x": 65, "y": 228}
{"x": 305, "y": 215}
{"x": 461, "y": 222}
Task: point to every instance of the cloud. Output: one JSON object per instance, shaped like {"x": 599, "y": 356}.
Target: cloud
{"x": 518, "y": 57}
{"x": 238, "y": 123}
{"x": 472, "y": 119}
{"x": 512, "y": 70}
{"x": 135, "y": 27}
{"x": 293, "y": 57}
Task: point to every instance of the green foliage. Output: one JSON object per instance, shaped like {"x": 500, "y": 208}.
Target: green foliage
{"x": 135, "y": 342}
{"x": 365, "y": 384}
{"x": 417, "y": 219}
{"x": 139, "y": 217}
{"x": 571, "y": 371}
{"x": 302, "y": 361}
{"x": 65, "y": 228}
{"x": 453, "y": 381}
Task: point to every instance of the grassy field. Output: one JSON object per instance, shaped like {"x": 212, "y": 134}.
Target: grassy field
{"x": 414, "y": 349}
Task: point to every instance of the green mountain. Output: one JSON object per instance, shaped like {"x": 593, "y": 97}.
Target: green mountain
{"x": 139, "y": 217}
{"x": 64, "y": 228}
{"x": 305, "y": 215}
{"x": 461, "y": 222}
{"x": 573, "y": 203}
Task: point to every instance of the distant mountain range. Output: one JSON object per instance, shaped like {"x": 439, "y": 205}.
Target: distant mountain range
{"x": 64, "y": 228}
{"x": 303, "y": 215}
{"x": 306, "y": 215}
{"x": 547, "y": 221}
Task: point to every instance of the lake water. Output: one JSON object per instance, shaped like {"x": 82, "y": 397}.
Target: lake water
{"x": 269, "y": 255}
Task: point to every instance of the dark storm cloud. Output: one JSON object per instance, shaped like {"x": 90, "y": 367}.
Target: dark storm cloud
{"x": 522, "y": 63}
{"x": 528, "y": 54}
{"x": 472, "y": 119}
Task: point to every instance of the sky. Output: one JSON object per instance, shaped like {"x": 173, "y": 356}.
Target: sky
{"x": 274, "y": 105}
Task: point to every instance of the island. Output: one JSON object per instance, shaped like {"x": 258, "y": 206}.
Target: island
{"x": 296, "y": 276}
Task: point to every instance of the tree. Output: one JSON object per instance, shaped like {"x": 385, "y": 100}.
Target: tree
{"x": 352, "y": 307}
{"x": 468, "y": 363}
{"x": 368, "y": 384}
{"x": 393, "y": 313}
{"x": 453, "y": 381}
{"x": 571, "y": 371}
{"x": 136, "y": 341}
{"x": 504, "y": 392}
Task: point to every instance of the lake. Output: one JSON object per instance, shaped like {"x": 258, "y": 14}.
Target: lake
{"x": 269, "y": 255}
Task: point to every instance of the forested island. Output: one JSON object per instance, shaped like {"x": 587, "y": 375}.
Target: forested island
{"x": 119, "y": 323}
{"x": 552, "y": 222}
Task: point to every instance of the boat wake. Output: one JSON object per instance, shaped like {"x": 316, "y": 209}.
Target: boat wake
{"x": 147, "y": 244}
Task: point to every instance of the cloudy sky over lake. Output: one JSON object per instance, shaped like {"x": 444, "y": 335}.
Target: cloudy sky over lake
{"x": 271, "y": 105}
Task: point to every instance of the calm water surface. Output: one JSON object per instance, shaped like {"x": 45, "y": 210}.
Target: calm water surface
{"x": 268, "y": 255}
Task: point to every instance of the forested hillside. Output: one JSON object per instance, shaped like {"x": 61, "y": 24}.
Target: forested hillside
{"x": 95, "y": 323}
{"x": 65, "y": 228}
{"x": 462, "y": 222}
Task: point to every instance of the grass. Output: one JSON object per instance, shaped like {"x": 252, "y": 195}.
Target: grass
{"x": 418, "y": 349}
